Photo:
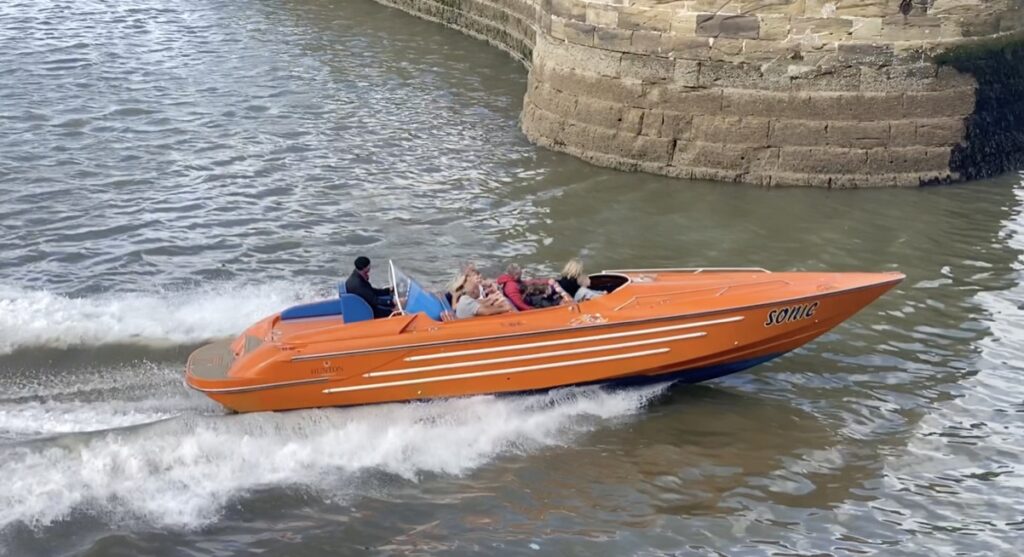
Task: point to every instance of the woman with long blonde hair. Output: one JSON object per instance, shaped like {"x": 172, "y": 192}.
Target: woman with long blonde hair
{"x": 575, "y": 283}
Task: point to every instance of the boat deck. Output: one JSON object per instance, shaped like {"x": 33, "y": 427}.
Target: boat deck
{"x": 212, "y": 361}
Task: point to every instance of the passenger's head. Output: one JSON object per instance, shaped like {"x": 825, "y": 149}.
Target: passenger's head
{"x": 514, "y": 271}
{"x": 362, "y": 264}
{"x": 573, "y": 269}
{"x": 471, "y": 287}
{"x": 470, "y": 269}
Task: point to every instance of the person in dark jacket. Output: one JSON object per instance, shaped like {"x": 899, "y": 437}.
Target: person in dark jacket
{"x": 358, "y": 283}
{"x": 575, "y": 283}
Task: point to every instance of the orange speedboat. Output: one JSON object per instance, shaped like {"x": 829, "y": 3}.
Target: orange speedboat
{"x": 686, "y": 325}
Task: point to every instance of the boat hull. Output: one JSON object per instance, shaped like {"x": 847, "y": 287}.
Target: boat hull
{"x": 421, "y": 362}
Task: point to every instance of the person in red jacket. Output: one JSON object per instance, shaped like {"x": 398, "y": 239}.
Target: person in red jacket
{"x": 511, "y": 284}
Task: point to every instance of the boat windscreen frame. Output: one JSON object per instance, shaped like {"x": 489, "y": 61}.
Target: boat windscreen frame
{"x": 394, "y": 286}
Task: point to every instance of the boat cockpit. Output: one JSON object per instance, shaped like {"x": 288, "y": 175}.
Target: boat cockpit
{"x": 410, "y": 296}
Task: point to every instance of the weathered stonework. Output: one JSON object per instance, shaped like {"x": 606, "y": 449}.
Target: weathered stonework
{"x": 834, "y": 93}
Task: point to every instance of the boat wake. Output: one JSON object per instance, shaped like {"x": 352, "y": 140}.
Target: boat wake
{"x": 39, "y": 318}
{"x": 182, "y": 472}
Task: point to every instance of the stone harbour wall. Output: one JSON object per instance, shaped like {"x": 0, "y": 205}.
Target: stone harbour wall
{"x": 510, "y": 25}
{"x": 841, "y": 93}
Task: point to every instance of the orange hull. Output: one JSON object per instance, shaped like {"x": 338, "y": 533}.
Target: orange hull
{"x": 682, "y": 325}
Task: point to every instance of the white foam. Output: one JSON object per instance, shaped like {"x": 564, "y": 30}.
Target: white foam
{"x": 42, "y": 318}
{"x": 181, "y": 472}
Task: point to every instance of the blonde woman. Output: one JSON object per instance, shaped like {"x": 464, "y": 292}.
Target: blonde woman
{"x": 472, "y": 302}
{"x": 575, "y": 283}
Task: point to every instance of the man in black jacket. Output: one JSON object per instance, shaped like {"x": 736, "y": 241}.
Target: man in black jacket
{"x": 358, "y": 283}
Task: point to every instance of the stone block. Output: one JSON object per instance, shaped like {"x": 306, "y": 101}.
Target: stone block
{"x": 579, "y": 33}
{"x": 632, "y": 121}
{"x": 728, "y": 74}
{"x": 569, "y": 9}
{"x": 824, "y": 28}
{"x": 551, "y": 100}
{"x": 950, "y": 30}
{"x": 787, "y": 7}
{"x": 731, "y": 130}
{"x": 1008, "y": 21}
{"x": 790, "y": 179}
{"x": 685, "y": 100}
{"x": 850, "y": 181}
{"x": 769, "y": 104}
{"x": 848, "y": 8}
{"x": 858, "y": 134}
{"x": 684, "y": 24}
{"x": 741, "y": 159}
{"x": 677, "y": 125}
{"x": 956, "y": 7}
{"x": 671, "y": 125}
{"x": 715, "y": 174}
{"x": 906, "y": 77}
{"x": 760, "y": 51}
{"x": 909, "y": 159}
{"x": 649, "y": 42}
{"x": 538, "y": 123}
{"x": 809, "y": 133}
{"x": 690, "y": 48}
{"x": 557, "y": 28}
{"x": 638, "y": 148}
{"x": 613, "y": 39}
{"x": 822, "y": 160}
{"x": 598, "y": 113}
{"x": 957, "y": 102}
{"x": 545, "y": 23}
{"x": 634, "y": 148}
{"x": 576, "y": 57}
{"x": 727, "y": 50}
{"x": 734, "y": 26}
{"x": 617, "y": 90}
{"x": 828, "y": 79}
{"x": 604, "y": 16}
{"x": 903, "y": 133}
{"x": 652, "y": 124}
{"x": 856, "y": 106}
{"x": 980, "y": 25}
{"x": 940, "y": 131}
{"x": 773, "y": 27}
{"x": 921, "y": 28}
{"x": 952, "y": 78}
{"x": 866, "y": 28}
{"x": 715, "y": 6}
{"x": 877, "y": 54}
{"x": 645, "y": 19}
{"x": 646, "y": 68}
{"x": 686, "y": 73}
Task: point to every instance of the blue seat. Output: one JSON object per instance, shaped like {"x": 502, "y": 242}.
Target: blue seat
{"x": 342, "y": 289}
{"x": 315, "y": 309}
{"x": 350, "y": 307}
{"x": 354, "y": 308}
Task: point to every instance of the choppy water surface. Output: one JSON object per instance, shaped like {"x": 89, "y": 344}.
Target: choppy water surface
{"x": 171, "y": 171}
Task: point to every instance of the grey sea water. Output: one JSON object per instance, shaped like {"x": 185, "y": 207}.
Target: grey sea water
{"x": 172, "y": 171}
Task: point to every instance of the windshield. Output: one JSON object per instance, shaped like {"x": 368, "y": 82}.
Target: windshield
{"x": 412, "y": 297}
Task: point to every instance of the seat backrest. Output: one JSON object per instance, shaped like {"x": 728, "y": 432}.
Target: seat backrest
{"x": 354, "y": 308}
{"x": 314, "y": 309}
{"x": 342, "y": 289}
